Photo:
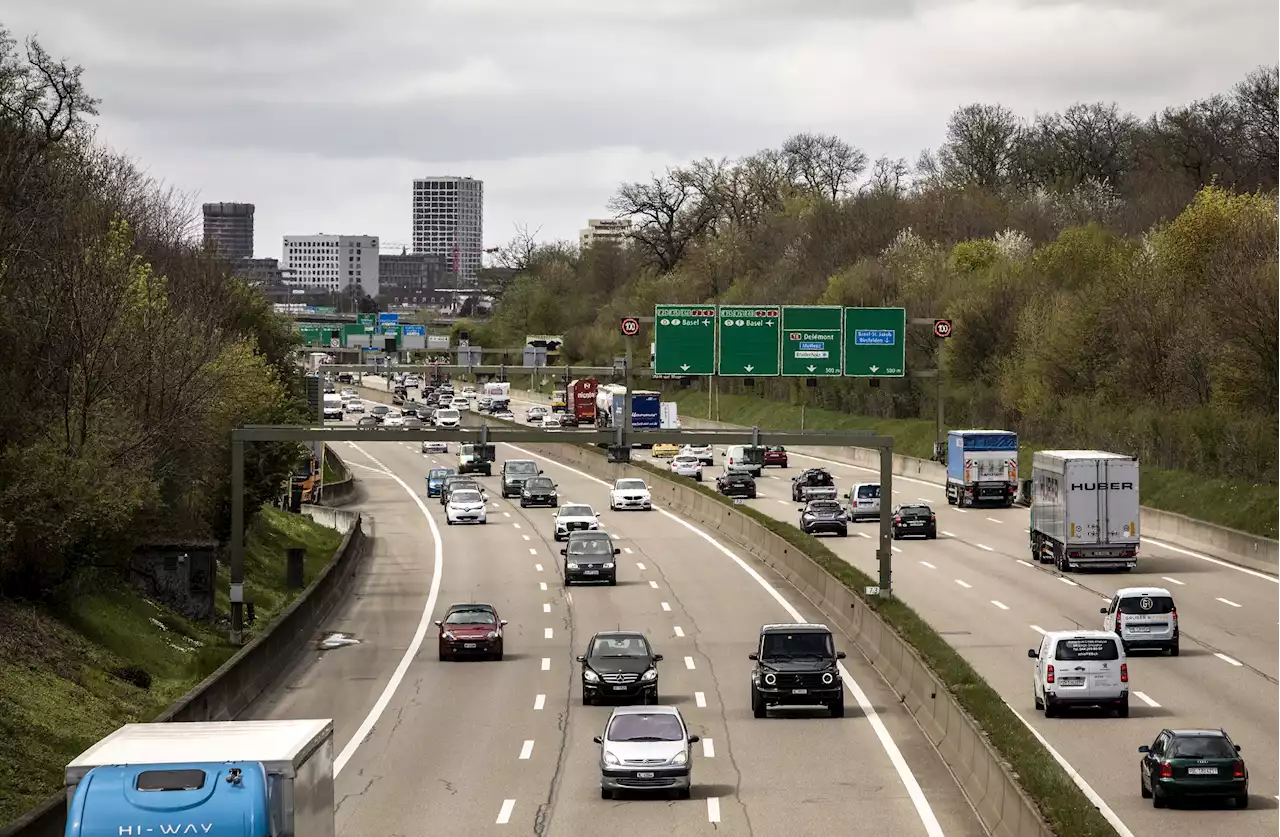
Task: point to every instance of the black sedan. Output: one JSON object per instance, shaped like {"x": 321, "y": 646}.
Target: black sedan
{"x": 1186, "y": 763}
{"x": 619, "y": 666}
{"x": 824, "y": 516}
{"x": 539, "y": 491}
{"x": 736, "y": 485}
{"x": 914, "y": 521}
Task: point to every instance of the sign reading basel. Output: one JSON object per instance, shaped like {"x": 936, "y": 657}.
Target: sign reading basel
{"x": 684, "y": 338}
{"x": 750, "y": 340}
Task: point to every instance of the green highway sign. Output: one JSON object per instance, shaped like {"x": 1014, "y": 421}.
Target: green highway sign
{"x": 749, "y": 341}
{"x": 811, "y": 340}
{"x": 875, "y": 342}
{"x": 684, "y": 338}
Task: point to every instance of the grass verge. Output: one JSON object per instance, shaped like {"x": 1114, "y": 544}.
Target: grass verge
{"x": 1067, "y": 810}
{"x": 70, "y": 669}
{"x": 1237, "y": 504}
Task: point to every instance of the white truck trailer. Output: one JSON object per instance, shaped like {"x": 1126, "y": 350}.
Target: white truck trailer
{"x": 1085, "y": 510}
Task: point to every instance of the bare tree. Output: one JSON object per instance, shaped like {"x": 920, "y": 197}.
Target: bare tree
{"x": 42, "y": 94}
{"x": 888, "y": 177}
{"x": 982, "y": 146}
{"x": 1201, "y": 140}
{"x": 1086, "y": 141}
{"x": 668, "y": 213}
{"x": 824, "y": 163}
{"x": 1257, "y": 101}
{"x": 519, "y": 252}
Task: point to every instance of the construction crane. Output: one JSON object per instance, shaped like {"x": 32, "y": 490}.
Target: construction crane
{"x": 393, "y": 245}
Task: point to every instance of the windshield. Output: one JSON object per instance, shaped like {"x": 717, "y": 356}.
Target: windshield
{"x": 468, "y": 496}
{"x": 620, "y": 646}
{"x": 1088, "y": 648}
{"x": 789, "y": 646}
{"x": 629, "y": 485}
{"x": 576, "y": 511}
{"x": 686, "y": 460}
{"x": 753, "y": 456}
{"x": 1202, "y": 747}
{"x": 539, "y": 482}
{"x": 446, "y": 414}
{"x": 522, "y": 468}
{"x": 381, "y": 410}
{"x": 734, "y": 476}
{"x": 914, "y": 511}
{"x": 1141, "y": 605}
{"x": 438, "y": 473}
{"x": 471, "y": 617}
{"x": 637, "y": 727}
{"x": 824, "y": 506}
{"x": 868, "y": 492}
{"x": 590, "y": 546}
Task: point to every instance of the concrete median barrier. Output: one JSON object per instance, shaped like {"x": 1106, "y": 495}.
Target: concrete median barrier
{"x": 1004, "y": 808}
{"x": 341, "y": 491}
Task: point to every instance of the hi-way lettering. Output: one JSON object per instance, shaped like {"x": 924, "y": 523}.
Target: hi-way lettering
{"x": 166, "y": 828}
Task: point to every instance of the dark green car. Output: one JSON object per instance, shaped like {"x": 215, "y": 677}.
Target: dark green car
{"x": 1193, "y": 763}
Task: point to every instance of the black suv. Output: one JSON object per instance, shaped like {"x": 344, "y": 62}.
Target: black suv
{"x": 589, "y": 556}
{"x": 619, "y": 665}
{"x": 914, "y": 520}
{"x": 796, "y": 666}
{"x": 457, "y": 482}
{"x": 514, "y": 473}
{"x": 824, "y": 516}
{"x": 539, "y": 491}
{"x": 736, "y": 485}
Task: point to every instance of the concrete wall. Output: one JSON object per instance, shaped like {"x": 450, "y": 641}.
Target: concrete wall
{"x": 1003, "y": 807}
{"x": 342, "y": 491}
{"x": 242, "y": 679}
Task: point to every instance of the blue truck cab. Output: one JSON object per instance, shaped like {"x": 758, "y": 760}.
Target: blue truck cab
{"x": 982, "y": 467}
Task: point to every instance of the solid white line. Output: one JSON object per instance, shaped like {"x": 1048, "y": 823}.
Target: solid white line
{"x": 927, "y": 564}
{"x": 542, "y": 585}
{"x": 700, "y": 698}
{"x": 688, "y": 663}
{"x": 1066, "y": 580}
{"x": 533, "y": 551}
{"x": 1148, "y": 701}
{"x": 895, "y": 549}
{"x": 1038, "y": 629}
{"x": 1273, "y": 579}
{"x": 540, "y": 702}
{"x": 1227, "y": 659}
{"x": 1000, "y": 605}
{"x": 424, "y": 623}
{"x": 679, "y": 631}
{"x": 984, "y": 546}
{"x": 923, "y": 809}
{"x": 653, "y": 584}
{"x": 1025, "y": 563}
{"x": 546, "y": 664}
{"x": 713, "y": 809}
{"x": 1174, "y": 581}
{"x": 964, "y": 584}
{"x": 947, "y": 534}
{"x": 993, "y": 520}
{"x": 526, "y": 750}
{"x": 708, "y": 749}
{"x": 666, "y": 607}
{"x": 546, "y": 607}
{"x": 504, "y": 815}
{"x": 538, "y": 567}
{"x": 547, "y": 633}
{"x": 1227, "y": 602}
{"x": 627, "y": 549}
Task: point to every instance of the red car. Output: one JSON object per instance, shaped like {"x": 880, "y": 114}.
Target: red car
{"x": 471, "y": 630}
{"x": 775, "y": 455}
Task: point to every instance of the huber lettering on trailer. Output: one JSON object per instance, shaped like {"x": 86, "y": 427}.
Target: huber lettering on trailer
{"x": 1102, "y": 486}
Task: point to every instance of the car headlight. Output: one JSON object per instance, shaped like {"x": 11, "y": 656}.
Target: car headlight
{"x": 770, "y": 679}
{"x": 449, "y": 636}
{"x": 610, "y": 758}
{"x": 572, "y": 566}
{"x": 491, "y": 635}
{"x": 651, "y": 674}
{"x": 553, "y": 494}
{"x": 608, "y": 565}
{"x": 681, "y": 757}
{"x": 590, "y": 676}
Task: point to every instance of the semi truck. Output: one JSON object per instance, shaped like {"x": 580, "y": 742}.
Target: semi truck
{"x": 982, "y": 467}
{"x": 646, "y": 407}
{"x": 223, "y": 778}
{"x": 580, "y": 408}
{"x": 1085, "y": 510}
{"x": 669, "y": 415}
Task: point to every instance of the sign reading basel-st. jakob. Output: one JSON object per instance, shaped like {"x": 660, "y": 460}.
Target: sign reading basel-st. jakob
{"x": 684, "y": 338}
{"x": 812, "y": 340}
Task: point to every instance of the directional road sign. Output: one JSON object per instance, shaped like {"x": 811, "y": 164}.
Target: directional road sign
{"x": 749, "y": 340}
{"x": 684, "y": 338}
{"x": 874, "y": 342}
{"x": 811, "y": 340}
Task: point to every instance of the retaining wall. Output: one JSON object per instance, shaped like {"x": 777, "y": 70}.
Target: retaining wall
{"x": 343, "y": 490}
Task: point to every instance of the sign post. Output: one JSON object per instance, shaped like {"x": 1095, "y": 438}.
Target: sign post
{"x": 750, "y": 342}
{"x": 684, "y": 338}
{"x": 812, "y": 340}
{"x": 875, "y": 342}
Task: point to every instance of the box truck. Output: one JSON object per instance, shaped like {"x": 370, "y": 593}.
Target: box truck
{"x": 1085, "y": 509}
{"x": 224, "y": 778}
{"x": 581, "y": 407}
{"x": 982, "y": 467}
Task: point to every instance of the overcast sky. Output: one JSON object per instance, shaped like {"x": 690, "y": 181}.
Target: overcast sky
{"x": 321, "y": 112}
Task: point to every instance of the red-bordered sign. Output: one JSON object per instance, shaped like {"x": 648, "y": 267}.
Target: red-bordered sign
{"x": 942, "y": 328}
{"x": 630, "y": 326}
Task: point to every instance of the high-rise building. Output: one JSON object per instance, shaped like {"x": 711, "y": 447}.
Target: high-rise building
{"x": 332, "y": 262}
{"x": 268, "y": 278}
{"x": 604, "y": 230}
{"x": 228, "y": 229}
{"x": 448, "y": 220}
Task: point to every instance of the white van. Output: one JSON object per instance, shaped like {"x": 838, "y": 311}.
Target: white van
{"x": 447, "y": 419}
{"x": 1080, "y": 668}
{"x": 864, "y": 501}
{"x": 1143, "y": 617}
{"x": 333, "y": 407}
{"x": 743, "y": 459}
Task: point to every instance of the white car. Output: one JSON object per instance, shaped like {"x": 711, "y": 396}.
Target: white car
{"x": 505, "y": 415}
{"x": 466, "y": 506}
{"x": 355, "y": 406}
{"x": 575, "y": 517}
{"x": 435, "y": 447}
{"x": 686, "y": 466}
{"x": 551, "y": 421}
{"x": 449, "y": 418}
{"x": 703, "y": 453}
{"x": 460, "y": 403}
{"x": 630, "y": 493}
{"x": 393, "y": 421}
{"x": 534, "y": 414}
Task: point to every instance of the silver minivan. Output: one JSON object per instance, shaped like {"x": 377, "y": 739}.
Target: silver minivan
{"x": 864, "y": 501}
{"x": 1143, "y": 617}
{"x": 646, "y": 748}
{"x": 1080, "y": 668}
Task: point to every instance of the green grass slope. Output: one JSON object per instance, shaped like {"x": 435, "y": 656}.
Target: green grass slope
{"x": 57, "y": 691}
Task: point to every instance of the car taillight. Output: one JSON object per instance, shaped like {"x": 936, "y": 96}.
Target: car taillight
{"x": 1166, "y": 771}
{"x": 1174, "y": 614}
{"x": 1119, "y": 619}
{"x": 1049, "y": 675}
{"x": 1237, "y": 770}
{"x": 933, "y": 518}
{"x": 1124, "y": 672}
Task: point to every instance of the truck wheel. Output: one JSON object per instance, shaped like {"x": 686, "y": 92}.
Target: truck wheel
{"x": 951, "y": 498}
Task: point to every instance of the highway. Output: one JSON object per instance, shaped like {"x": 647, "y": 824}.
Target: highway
{"x": 976, "y": 586}
{"x": 505, "y": 747}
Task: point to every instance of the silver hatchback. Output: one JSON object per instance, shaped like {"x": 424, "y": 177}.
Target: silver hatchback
{"x": 646, "y": 748}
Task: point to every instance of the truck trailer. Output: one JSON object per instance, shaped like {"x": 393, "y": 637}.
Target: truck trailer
{"x": 982, "y": 467}
{"x": 1085, "y": 510}
{"x": 224, "y": 779}
{"x": 580, "y": 409}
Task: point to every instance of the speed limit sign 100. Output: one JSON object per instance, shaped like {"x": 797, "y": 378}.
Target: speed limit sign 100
{"x": 630, "y": 326}
{"x": 942, "y": 328}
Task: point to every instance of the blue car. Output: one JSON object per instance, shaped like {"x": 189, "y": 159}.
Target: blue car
{"x": 435, "y": 479}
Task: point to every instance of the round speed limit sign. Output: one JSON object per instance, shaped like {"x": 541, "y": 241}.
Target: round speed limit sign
{"x": 942, "y": 328}
{"x": 630, "y": 326}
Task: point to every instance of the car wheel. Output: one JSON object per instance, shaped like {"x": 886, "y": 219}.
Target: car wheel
{"x": 448, "y": 522}
{"x": 605, "y": 793}
{"x": 1173, "y": 649}
{"x": 1242, "y": 801}
{"x": 1039, "y": 702}
{"x": 613, "y": 582}
{"x": 758, "y": 709}
{"x": 1122, "y": 710}
{"x": 1050, "y": 711}
{"x": 1142, "y": 786}
{"x": 523, "y": 504}
{"x": 497, "y": 657}
{"x": 587, "y": 700}
{"x": 444, "y": 658}
{"x": 1157, "y": 798}
{"x": 684, "y": 793}
{"x": 844, "y": 533}
{"x": 837, "y": 707}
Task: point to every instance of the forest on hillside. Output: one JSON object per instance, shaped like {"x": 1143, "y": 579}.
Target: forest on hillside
{"x": 1112, "y": 279}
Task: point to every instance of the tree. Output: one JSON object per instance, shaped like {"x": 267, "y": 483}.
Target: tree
{"x": 668, "y": 214}
{"x": 1257, "y": 101}
{"x": 983, "y": 146}
{"x": 888, "y": 178}
{"x": 824, "y": 163}
{"x": 1085, "y": 142}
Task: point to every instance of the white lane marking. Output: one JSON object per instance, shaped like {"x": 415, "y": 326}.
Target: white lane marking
{"x": 627, "y": 549}
{"x": 508, "y": 514}
{"x": 1148, "y": 701}
{"x": 548, "y": 633}
{"x": 546, "y": 664}
{"x": 546, "y": 607}
{"x": 863, "y": 535}
{"x": 540, "y": 702}
{"x": 424, "y": 622}
{"x": 700, "y": 698}
{"x": 526, "y": 537}
{"x": 679, "y": 631}
{"x": 1227, "y": 602}
{"x": 639, "y": 566}
{"x": 925, "y": 499}
{"x": 542, "y": 585}
{"x": 1066, "y": 580}
{"x": 787, "y": 502}
{"x": 666, "y": 607}
{"x": 993, "y": 520}
{"x": 1174, "y": 581}
{"x": 526, "y": 750}
{"x": 1227, "y": 659}
{"x": 1038, "y": 629}
{"x": 923, "y": 809}
{"x": 653, "y": 584}
{"x": 1000, "y": 605}
{"x": 708, "y": 749}
{"x": 966, "y": 585}
{"x": 538, "y": 567}
{"x": 688, "y": 663}
{"x": 960, "y": 511}
{"x": 517, "y": 525}
{"x": 927, "y": 564}
{"x": 504, "y": 814}
{"x": 1273, "y": 579}
{"x": 894, "y": 549}
{"x": 947, "y": 534}
{"x": 984, "y": 546}
{"x": 533, "y": 551}
{"x": 713, "y": 809}
{"x": 1025, "y": 563}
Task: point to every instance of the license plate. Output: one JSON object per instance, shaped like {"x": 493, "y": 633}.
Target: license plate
{"x": 1202, "y": 771}
{"x": 619, "y": 688}
{"x": 1072, "y": 681}
{"x": 591, "y": 572}
{"x": 1140, "y": 629}
{"x": 916, "y": 523}
{"x": 645, "y": 775}
{"x": 468, "y": 645}
{"x": 799, "y": 691}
